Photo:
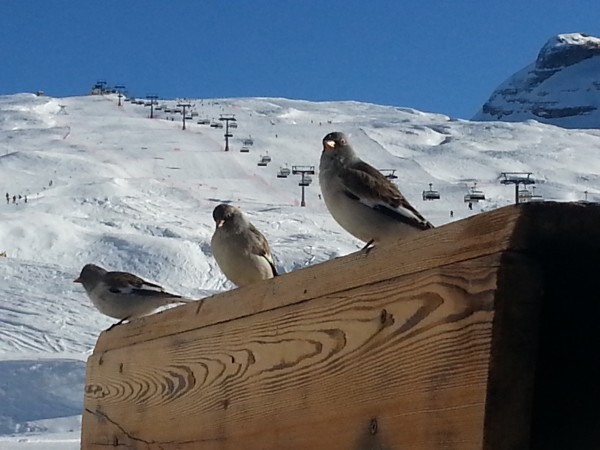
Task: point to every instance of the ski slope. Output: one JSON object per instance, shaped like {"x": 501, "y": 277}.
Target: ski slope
{"x": 108, "y": 185}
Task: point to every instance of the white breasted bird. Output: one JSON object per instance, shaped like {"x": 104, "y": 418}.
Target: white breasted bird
{"x": 361, "y": 199}
{"x": 242, "y": 252}
{"x": 123, "y": 295}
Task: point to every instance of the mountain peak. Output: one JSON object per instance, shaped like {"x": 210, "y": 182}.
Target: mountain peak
{"x": 564, "y": 50}
{"x": 561, "y": 87}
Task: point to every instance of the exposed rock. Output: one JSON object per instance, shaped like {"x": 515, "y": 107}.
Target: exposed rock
{"x": 562, "y": 87}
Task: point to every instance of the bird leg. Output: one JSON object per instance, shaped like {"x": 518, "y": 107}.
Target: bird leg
{"x": 118, "y": 323}
{"x": 368, "y": 246}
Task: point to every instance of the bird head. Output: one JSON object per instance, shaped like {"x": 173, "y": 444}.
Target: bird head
{"x": 90, "y": 275}
{"x": 335, "y": 141}
{"x": 224, "y": 214}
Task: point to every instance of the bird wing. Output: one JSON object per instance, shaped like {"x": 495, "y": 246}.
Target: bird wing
{"x": 370, "y": 187}
{"x": 127, "y": 283}
{"x": 260, "y": 246}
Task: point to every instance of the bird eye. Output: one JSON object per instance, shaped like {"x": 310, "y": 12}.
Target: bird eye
{"x": 342, "y": 141}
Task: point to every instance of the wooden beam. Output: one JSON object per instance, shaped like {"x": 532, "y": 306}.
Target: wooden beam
{"x": 367, "y": 354}
{"x": 459, "y": 241}
{"x": 430, "y": 343}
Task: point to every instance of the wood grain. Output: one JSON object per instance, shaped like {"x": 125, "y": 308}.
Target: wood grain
{"x": 523, "y": 228}
{"x": 392, "y": 364}
{"x": 460, "y": 241}
{"x": 429, "y": 343}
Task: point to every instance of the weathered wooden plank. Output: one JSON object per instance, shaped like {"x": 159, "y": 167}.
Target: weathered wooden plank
{"x": 460, "y": 241}
{"x": 393, "y": 363}
{"x": 521, "y": 229}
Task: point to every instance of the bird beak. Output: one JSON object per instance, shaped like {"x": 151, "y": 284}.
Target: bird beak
{"x": 328, "y": 145}
{"x": 220, "y": 223}
{"x": 78, "y": 280}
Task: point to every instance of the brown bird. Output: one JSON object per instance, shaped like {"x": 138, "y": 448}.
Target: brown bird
{"x": 361, "y": 199}
{"x": 242, "y": 252}
{"x": 123, "y": 295}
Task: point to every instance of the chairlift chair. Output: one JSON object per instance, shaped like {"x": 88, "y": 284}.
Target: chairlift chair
{"x": 233, "y": 125}
{"x": 248, "y": 141}
{"x": 524, "y": 195}
{"x": 284, "y": 172}
{"x": 244, "y": 149}
{"x": 431, "y": 194}
{"x": 305, "y": 181}
{"x": 535, "y": 197}
{"x": 390, "y": 174}
{"x": 475, "y": 195}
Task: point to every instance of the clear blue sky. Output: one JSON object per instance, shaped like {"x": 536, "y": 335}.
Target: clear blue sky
{"x": 438, "y": 56}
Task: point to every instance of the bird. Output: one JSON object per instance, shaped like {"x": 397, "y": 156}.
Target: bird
{"x": 123, "y": 295}
{"x": 361, "y": 199}
{"x": 241, "y": 251}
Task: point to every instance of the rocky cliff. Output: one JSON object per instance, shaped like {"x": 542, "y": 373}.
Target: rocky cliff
{"x": 562, "y": 86}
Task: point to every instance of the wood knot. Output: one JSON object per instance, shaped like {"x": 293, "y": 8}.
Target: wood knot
{"x": 386, "y": 318}
{"x": 373, "y": 426}
{"x": 383, "y": 316}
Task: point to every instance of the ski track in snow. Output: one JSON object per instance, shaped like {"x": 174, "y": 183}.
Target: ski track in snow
{"x": 110, "y": 186}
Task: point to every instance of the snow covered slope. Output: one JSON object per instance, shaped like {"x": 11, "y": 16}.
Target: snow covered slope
{"x": 106, "y": 184}
{"x": 562, "y": 87}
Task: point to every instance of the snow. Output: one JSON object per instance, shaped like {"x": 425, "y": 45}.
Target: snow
{"x": 107, "y": 185}
{"x": 569, "y": 39}
{"x": 561, "y": 87}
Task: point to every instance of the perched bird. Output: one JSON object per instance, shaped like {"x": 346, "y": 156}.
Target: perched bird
{"x": 361, "y": 199}
{"x": 123, "y": 295}
{"x": 242, "y": 252}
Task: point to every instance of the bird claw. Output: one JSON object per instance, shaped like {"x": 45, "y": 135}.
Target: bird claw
{"x": 368, "y": 247}
{"x": 118, "y": 323}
